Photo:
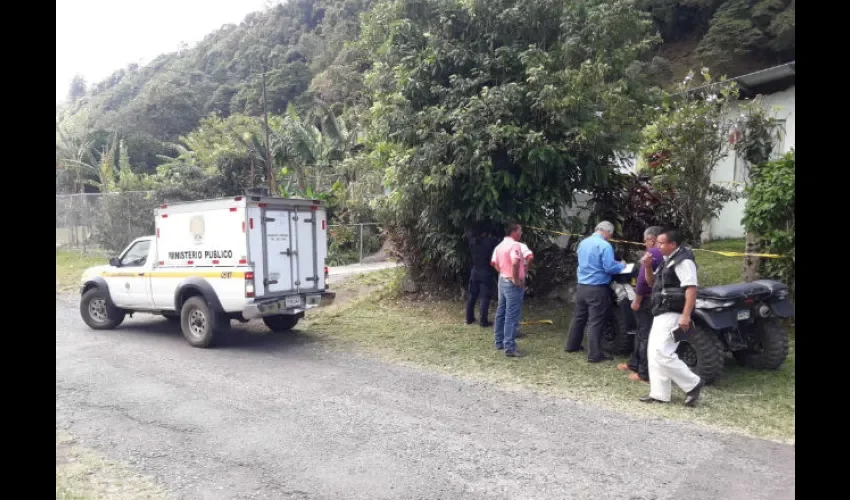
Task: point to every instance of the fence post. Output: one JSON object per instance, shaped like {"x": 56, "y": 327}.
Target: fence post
{"x": 361, "y": 244}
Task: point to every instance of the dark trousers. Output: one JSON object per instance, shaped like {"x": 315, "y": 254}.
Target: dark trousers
{"x": 592, "y": 303}
{"x": 482, "y": 282}
{"x": 638, "y": 362}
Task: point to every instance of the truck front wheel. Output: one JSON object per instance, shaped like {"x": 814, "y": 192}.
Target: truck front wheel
{"x": 199, "y": 324}
{"x": 96, "y": 311}
{"x": 281, "y": 323}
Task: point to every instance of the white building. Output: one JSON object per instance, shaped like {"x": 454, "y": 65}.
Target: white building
{"x": 777, "y": 87}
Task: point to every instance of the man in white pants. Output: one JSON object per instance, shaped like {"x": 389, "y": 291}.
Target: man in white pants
{"x": 674, "y": 294}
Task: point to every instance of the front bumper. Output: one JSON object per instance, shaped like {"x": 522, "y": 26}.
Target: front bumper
{"x": 278, "y": 305}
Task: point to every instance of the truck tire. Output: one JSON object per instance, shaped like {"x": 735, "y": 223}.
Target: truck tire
{"x": 281, "y": 323}
{"x": 703, "y": 353}
{"x": 615, "y": 337}
{"x": 199, "y": 324}
{"x": 96, "y": 311}
{"x": 771, "y": 346}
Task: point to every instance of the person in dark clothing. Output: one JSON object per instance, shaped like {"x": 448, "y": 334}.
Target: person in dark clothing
{"x": 642, "y": 308}
{"x": 482, "y": 278}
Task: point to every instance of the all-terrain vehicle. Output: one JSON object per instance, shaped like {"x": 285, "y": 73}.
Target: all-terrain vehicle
{"x": 742, "y": 318}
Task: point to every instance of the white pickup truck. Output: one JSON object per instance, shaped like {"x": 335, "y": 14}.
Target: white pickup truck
{"x": 213, "y": 261}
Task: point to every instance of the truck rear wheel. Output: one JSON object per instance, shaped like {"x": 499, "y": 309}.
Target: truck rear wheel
{"x": 199, "y": 324}
{"x": 281, "y": 323}
{"x": 96, "y": 311}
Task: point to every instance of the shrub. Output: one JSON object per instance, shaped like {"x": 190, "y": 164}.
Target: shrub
{"x": 632, "y": 204}
{"x": 769, "y": 213}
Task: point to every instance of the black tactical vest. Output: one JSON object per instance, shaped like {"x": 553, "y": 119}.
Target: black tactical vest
{"x": 667, "y": 292}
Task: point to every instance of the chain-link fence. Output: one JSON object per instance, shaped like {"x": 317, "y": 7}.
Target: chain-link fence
{"x": 103, "y": 222}
{"x": 354, "y": 243}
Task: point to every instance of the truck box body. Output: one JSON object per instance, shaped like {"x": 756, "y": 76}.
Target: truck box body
{"x": 283, "y": 242}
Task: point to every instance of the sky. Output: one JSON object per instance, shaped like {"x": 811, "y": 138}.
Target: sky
{"x": 94, "y": 38}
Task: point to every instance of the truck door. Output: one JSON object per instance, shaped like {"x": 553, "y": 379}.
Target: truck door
{"x": 129, "y": 284}
{"x": 307, "y": 277}
{"x": 281, "y": 253}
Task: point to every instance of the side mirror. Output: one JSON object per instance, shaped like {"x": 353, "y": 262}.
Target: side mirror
{"x": 114, "y": 262}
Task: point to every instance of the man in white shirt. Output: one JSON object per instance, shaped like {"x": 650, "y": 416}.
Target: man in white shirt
{"x": 674, "y": 295}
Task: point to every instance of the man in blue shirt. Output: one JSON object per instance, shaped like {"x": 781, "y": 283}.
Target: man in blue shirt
{"x": 596, "y": 265}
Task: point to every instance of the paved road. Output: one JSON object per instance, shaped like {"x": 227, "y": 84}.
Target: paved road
{"x": 281, "y": 417}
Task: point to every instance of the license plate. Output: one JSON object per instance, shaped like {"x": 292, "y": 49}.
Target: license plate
{"x": 292, "y": 301}
{"x": 742, "y": 315}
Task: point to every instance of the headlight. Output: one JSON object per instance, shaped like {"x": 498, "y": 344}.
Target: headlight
{"x": 713, "y": 304}
{"x": 781, "y": 294}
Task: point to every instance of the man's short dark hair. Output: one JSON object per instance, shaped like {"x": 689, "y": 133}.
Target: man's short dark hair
{"x": 510, "y": 227}
{"x": 673, "y": 236}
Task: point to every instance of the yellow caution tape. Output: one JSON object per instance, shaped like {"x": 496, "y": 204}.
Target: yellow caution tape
{"x": 725, "y": 254}
{"x": 537, "y": 322}
{"x": 739, "y": 254}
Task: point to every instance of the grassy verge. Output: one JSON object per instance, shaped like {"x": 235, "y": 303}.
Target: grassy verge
{"x": 69, "y": 268}
{"x": 433, "y": 334}
{"x": 82, "y": 475}
{"x": 717, "y": 269}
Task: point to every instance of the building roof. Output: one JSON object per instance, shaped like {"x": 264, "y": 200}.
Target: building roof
{"x": 765, "y": 81}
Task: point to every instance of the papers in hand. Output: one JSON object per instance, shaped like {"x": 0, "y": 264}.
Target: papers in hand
{"x": 678, "y": 334}
{"x": 628, "y": 269}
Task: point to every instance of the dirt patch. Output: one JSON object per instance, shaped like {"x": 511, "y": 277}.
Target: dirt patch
{"x": 353, "y": 287}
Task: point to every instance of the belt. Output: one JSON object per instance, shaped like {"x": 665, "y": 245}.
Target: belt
{"x": 510, "y": 280}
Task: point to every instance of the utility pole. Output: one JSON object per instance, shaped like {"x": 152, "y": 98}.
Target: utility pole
{"x": 272, "y": 190}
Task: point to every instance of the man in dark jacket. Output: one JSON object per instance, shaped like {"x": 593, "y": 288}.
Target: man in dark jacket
{"x": 482, "y": 278}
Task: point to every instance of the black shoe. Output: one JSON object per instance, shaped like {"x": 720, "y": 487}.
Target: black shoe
{"x": 606, "y": 357}
{"x": 486, "y": 324}
{"x": 580, "y": 349}
{"x": 470, "y": 322}
{"x": 650, "y": 399}
{"x": 693, "y": 395}
{"x": 500, "y": 347}
{"x": 514, "y": 354}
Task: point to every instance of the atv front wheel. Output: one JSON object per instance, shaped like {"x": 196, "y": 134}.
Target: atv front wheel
{"x": 703, "y": 353}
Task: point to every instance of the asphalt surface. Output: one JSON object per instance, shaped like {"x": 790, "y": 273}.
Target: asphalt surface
{"x": 283, "y": 417}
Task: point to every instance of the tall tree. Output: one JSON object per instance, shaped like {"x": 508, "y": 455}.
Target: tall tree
{"x": 77, "y": 89}
{"x": 684, "y": 144}
{"x": 499, "y": 109}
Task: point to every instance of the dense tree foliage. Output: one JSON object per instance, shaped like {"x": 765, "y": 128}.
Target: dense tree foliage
{"x": 432, "y": 114}
{"x": 303, "y": 45}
